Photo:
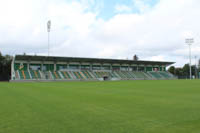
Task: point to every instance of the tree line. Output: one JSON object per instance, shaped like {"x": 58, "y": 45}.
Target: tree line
{"x": 184, "y": 72}
{"x": 5, "y": 67}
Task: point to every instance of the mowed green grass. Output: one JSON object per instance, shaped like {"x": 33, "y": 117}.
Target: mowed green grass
{"x": 162, "y": 106}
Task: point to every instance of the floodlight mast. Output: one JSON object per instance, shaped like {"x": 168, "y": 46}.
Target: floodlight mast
{"x": 196, "y": 67}
{"x": 189, "y": 41}
{"x": 48, "y": 30}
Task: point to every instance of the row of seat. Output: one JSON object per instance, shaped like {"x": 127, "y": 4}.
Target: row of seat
{"x": 133, "y": 75}
{"x": 87, "y": 74}
{"x": 24, "y": 74}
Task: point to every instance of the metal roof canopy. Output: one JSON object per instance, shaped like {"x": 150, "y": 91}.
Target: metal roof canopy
{"x": 88, "y": 60}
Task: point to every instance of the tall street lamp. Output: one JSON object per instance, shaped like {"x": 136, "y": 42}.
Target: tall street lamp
{"x": 189, "y": 41}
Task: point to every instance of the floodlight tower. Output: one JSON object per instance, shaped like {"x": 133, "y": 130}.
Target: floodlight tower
{"x": 189, "y": 41}
{"x": 196, "y": 67}
{"x": 48, "y": 30}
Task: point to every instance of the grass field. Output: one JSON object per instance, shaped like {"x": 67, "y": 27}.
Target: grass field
{"x": 171, "y": 106}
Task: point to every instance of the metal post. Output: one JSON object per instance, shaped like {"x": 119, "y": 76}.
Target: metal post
{"x": 189, "y": 42}
{"x": 48, "y": 43}
{"x": 190, "y": 61}
{"x": 196, "y": 75}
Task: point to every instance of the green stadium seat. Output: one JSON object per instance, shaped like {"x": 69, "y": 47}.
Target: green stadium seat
{"x": 56, "y": 75}
{"x": 24, "y": 74}
{"x": 35, "y": 74}
{"x": 156, "y": 75}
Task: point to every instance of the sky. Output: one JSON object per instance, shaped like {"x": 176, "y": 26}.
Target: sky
{"x": 152, "y": 29}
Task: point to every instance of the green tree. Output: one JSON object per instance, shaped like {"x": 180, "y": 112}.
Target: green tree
{"x": 5, "y": 67}
{"x": 172, "y": 70}
{"x": 186, "y": 70}
{"x": 179, "y": 72}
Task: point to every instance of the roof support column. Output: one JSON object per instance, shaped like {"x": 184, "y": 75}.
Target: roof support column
{"x": 13, "y": 69}
{"x": 41, "y": 67}
{"x": 91, "y": 66}
{"x": 28, "y": 65}
{"x": 79, "y": 66}
{"x": 54, "y": 66}
{"x": 67, "y": 65}
{"x": 163, "y": 68}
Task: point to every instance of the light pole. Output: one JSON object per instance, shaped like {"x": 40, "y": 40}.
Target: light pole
{"x": 48, "y": 30}
{"x": 196, "y": 75}
{"x": 189, "y": 41}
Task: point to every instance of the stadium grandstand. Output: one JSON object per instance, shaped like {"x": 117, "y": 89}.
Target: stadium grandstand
{"x": 50, "y": 68}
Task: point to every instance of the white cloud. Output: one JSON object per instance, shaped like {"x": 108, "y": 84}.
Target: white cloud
{"x": 122, "y": 9}
{"x": 154, "y": 34}
{"x": 141, "y": 5}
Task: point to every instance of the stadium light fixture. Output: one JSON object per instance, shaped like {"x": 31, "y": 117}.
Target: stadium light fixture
{"x": 189, "y": 41}
{"x": 48, "y": 30}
